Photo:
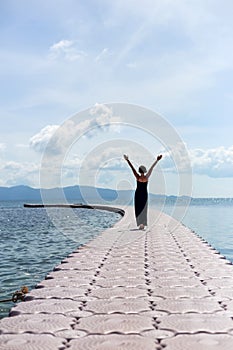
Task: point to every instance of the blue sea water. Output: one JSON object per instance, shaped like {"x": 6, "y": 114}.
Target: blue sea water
{"x": 213, "y": 221}
{"x": 31, "y": 245}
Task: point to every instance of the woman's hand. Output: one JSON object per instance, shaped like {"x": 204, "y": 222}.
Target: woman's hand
{"x": 126, "y": 157}
{"x": 159, "y": 157}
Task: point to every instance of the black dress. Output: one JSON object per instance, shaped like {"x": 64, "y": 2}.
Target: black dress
{"x": 141, "y": 203}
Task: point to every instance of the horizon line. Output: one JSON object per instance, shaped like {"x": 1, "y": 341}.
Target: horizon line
{"x": 111, "y": 189}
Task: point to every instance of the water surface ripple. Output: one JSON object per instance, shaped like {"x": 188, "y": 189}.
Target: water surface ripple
{"x": 30, "y": 245}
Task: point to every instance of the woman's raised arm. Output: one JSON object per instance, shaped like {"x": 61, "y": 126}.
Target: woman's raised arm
{"x": 131, "y": 166}
{"x": 152, "y": 166}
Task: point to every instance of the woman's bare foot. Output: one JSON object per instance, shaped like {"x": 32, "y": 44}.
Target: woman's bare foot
{"x": 141, "y": 227}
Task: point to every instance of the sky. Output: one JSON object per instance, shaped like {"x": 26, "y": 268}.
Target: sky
{"x": 171, "y": 57}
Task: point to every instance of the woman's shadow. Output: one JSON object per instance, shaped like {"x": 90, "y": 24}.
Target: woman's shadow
{"x": 137, "y": 229}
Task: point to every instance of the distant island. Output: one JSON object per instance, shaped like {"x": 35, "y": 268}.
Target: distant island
{"x": 84, "y": 194}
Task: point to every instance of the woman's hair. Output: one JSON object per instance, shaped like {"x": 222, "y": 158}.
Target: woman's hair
{"x": 142, "y": 169}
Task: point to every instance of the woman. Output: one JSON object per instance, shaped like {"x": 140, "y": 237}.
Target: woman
{"x": 141, "y": 195}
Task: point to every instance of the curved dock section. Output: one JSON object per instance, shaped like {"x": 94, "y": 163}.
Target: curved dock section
{"x": 76, "y": 206}
{"x": 162, "y": 288}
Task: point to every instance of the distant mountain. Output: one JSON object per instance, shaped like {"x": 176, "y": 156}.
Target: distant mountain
{"x": 71, "y": 193}
{"x": 74, "y": 194}
{"x": 19, "y": 193}
{"x": 84, "y": 194}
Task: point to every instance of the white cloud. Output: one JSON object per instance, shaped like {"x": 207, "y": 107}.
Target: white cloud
{"x": 15, "y": 173}
{"x": 105, "y": 158}
{"x": 105, "y": 167}
{"x": 57, "y": 139}
{"x": 103, "y": 117}
{"x": 67, "y": 50}
{"x": 213, "y": 162}
{"x": 61, "y": 45}
{"x": 39, "y": 141}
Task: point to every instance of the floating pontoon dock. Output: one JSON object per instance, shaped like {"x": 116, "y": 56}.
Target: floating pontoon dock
{"x": 162, "y": 288}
